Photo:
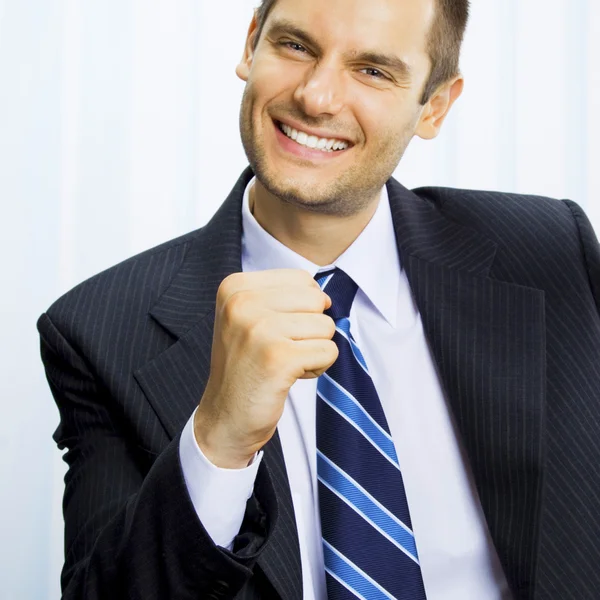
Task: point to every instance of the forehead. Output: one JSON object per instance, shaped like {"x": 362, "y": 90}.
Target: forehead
{"x": 400, "y": 26}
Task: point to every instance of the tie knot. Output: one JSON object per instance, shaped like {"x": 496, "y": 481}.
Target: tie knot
{"x": 341, "y": 289}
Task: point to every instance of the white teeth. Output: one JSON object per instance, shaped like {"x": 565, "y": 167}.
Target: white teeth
{"x": 312, "y": 141}
{"x": 302, "y": 138}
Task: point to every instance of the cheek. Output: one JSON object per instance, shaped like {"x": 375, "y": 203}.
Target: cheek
{"x": 384, "y": 123}
{"x": 377, "y": 127}
{"x": 272, "y": 80}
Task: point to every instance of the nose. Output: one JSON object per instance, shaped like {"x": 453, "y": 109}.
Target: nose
{"x": 321, "y": 92}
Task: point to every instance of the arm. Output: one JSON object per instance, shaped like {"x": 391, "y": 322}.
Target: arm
{"x": 131, "y": 530}
{"x": 590, "y": 248}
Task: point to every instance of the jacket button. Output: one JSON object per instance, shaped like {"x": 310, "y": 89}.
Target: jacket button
{"x": 220, "y": 588}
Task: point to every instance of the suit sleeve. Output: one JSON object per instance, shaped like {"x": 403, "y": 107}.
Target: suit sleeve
{"x": 590, "y": 248}
{"x": 131, "y": 530}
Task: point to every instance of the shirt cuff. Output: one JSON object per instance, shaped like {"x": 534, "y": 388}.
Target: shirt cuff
{"x": 211, "y": 488}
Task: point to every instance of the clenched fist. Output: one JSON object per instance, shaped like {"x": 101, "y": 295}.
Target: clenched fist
{"x": 270, "y": 330}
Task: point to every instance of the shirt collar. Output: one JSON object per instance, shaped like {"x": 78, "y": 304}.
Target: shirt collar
{"x": 372, "y": 259}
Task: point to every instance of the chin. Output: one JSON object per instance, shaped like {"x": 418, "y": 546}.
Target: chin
{"x": 331, "y": 198}
{"x": 295, "y": 191}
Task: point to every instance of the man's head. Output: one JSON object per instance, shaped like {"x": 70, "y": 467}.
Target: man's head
{"x": 443, "y": 44}
{"x": 369, "y": 73}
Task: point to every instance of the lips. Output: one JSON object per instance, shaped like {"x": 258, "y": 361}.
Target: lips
{"x": 303, "y": 151}
{"x": 312, "y": 141}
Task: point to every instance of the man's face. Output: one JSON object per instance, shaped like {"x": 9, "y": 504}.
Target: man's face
{"x": 346, "y": 70}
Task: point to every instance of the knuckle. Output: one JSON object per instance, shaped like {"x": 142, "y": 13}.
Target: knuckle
{"x": 306, "y": 279}
{"x": 331, "y": 349}
{"x": 225, "y": 289}
{"x": 230, "y": 283}
{"x": 272, "y": 355}
{"x": 234, "y": 306}
{"x": 317, "y": 298}
{"x": 255, "y": 331}
{"x": 330, "y": 324}
{"x": 309, "y": 279}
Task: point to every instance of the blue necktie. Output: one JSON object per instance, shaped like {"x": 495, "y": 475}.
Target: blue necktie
{"x": 368, "y": 543}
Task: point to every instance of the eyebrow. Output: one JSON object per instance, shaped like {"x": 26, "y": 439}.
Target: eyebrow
{"x": 393, "y": 63}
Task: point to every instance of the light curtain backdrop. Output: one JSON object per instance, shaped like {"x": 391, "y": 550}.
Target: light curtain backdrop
{"x": 119, "y": 130}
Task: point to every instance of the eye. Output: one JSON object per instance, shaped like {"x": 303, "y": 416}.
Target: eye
{"x": 375, "y": 73}
{"x": 293, "y": 46}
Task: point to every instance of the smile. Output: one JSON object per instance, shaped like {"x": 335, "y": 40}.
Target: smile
{"x": 312, "y": 141}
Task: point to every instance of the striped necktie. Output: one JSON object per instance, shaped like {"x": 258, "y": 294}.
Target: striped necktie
{"x": 368, "y": 543}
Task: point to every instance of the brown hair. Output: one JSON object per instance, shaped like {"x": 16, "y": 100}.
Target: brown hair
{"x": 443, "y": 45}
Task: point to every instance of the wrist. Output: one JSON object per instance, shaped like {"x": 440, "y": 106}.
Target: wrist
{"x": 217, "y": 446}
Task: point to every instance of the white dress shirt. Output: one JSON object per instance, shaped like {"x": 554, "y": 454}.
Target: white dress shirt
{"x": 457, "y": 556}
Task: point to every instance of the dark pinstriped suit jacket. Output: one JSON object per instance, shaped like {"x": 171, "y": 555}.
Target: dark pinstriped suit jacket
{"x": 509, "y": 292}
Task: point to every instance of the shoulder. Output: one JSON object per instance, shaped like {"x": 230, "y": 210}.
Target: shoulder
{"x": 535, "y": 222}
{"x": 499, "y": 212}
{"x": 131, "y": 286}
{"x": 538, "y": 239}
{"x": 120, "y": 298}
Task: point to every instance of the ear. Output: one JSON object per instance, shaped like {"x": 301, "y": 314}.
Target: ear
{"x": 438, "y": 107}
{"x": 243, "y": 68}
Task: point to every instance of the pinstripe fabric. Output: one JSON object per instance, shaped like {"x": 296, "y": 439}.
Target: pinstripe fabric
{"x": 539, "y": 375}
{"x": 505, "y": 285}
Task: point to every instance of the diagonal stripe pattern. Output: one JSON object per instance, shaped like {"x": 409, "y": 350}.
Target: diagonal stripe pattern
{"x": 368, "y": 543}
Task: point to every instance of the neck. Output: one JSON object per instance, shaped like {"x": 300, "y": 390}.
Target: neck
{"x": 318, "y": 237}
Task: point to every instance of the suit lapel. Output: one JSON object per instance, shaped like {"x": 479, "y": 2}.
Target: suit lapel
{"x": 488, "y": 340}
{"x": 174, "y": 381}
{"x": 186, "y": 310}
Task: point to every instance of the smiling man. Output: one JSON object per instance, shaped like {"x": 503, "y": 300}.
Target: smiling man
{"x": 334, "y": 94}
{"x": 338, "y": 388}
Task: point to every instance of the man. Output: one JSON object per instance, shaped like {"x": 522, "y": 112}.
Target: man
{"x": 338, "y": 388}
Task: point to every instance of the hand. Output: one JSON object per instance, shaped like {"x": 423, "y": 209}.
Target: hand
{"x": 269, "y": 331}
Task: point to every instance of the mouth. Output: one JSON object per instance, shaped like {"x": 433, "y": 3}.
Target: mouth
{"x": 312, "y": 142}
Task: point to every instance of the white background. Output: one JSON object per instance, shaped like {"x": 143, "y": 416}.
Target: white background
{"x": 119, "y": 130}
